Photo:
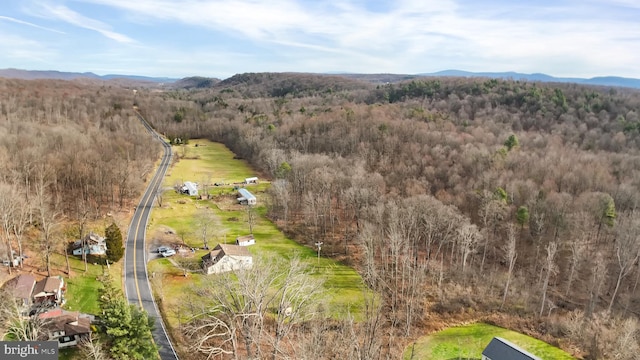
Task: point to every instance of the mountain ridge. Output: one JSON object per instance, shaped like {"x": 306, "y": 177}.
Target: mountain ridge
{"x": 199, "y": 81}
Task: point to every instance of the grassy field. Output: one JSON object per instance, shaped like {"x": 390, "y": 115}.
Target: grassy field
{"x": 175, "y": 222}
{"x": 467, "y": 342}
{"x": 83, "y": 287}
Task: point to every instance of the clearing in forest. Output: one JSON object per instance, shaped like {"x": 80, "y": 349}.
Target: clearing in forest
{"x": 468, "y": 342}
{"x": 177, "y": 222}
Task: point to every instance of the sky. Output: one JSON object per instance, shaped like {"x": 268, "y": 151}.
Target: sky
{"x": 220, "y": 38}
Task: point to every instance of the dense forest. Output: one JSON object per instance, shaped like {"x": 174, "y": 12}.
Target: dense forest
{"x": 456, "y": 199}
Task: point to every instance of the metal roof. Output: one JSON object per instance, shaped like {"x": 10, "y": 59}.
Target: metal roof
{"x": 501, "y": 349}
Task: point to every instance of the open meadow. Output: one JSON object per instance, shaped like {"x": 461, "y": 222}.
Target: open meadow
{"x": 178, "y": 220}
{"x": 468, "y": 342}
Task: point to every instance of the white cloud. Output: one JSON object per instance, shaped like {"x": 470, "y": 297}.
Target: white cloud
{"x": 402, "y": 36}
{"x": 65, "y": 14}
{"x": 17, "y": 21}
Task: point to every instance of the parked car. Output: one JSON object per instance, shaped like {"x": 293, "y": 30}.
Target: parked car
{"x": 168, "y": 253}
{"x": 162, "y": 249}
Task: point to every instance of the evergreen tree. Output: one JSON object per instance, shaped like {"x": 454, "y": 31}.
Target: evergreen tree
{"x": 511, "y": 142}
{"x": 113, "y": 238}
{"x": 522, "y": 216}
{"x": 128, "y": 328}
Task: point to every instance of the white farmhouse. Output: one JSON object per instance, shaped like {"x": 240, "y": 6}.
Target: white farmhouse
{"x": 225, "y": 258}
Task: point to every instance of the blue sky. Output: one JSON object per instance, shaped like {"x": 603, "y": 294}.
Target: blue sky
{"x": 219, "y": 38}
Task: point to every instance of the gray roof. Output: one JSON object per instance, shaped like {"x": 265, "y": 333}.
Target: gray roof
{"x": 246, "y": 194}
{"x": 501, "y": 349}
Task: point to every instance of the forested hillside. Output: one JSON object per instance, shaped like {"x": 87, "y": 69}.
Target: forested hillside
{"x": 70, "y": 152}
{"x": 456, "y": 199}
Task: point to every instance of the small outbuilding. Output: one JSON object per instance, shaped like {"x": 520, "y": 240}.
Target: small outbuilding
{"x": 245, "y": 240}
{"x": 246, "y": 197}
{"x": 189, "y": 188}
{"x": 225, "y": 257}
{"x": 501, "y": 349}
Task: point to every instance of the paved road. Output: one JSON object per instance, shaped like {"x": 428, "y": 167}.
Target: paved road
{"x": 137, "y": 288}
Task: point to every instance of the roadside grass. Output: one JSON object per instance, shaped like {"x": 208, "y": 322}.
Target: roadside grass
{"x": 468, "y": 342}
{"x": 344, "y": 288}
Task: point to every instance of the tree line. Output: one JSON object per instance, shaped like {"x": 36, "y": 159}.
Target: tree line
{"x": 450, "y": 196}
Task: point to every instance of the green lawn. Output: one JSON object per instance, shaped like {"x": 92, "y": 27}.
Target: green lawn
{"x": 83, "y": 288}
{"x": 467, "y": 342}
{"x": 343, "y": 285}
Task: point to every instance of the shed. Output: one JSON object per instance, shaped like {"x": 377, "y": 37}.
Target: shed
{"x": 501, "y": 349}
{"x": 246, "y": 197}
{"x": 245, "y": 240}
{"x": 189, "y": 188}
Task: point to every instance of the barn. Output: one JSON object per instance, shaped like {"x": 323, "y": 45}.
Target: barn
{"x": 189, "y": 188}
{"x": 246, "y": 197}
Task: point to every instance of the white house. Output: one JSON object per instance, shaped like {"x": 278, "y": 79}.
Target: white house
{"x": 94, "y": 244}
{"x": 225, "y": 258}
{"x": 501, "y": 349}
{"x": 245, "y": 240}
{"x": 189, "y": 188}
{"x": 246, "y": 197}
{"x": 251, "y": 180}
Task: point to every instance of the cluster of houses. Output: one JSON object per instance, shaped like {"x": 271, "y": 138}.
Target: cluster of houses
{"x": 43, "y": 298}
{"x": 244, "y": 196}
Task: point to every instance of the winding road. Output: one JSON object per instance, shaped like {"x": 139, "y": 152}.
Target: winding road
{"x": 136, "y": 281}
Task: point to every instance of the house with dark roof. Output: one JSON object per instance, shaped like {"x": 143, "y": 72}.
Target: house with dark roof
{"x": 66, "y": 327}
{"x": 22, "y": 287}
{"x": 49, "y": 291}
{"x": 225, "y": 257}
{"x": 501, "y": 349}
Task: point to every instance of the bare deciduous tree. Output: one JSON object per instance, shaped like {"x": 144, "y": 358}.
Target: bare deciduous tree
{"x": 92, "y": 349}
{"x": 510, "y": 257}
{"x": 627, "y": 251}
{"x": 47, "y": 219}
{"x": 551, "y": 268}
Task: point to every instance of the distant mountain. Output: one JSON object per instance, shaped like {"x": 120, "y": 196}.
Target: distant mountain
{"x": 195, "y": 82}
{"x": 205, "y": 82}
{"x": 61, "y": 75}
{"x": 603, "y": 81}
